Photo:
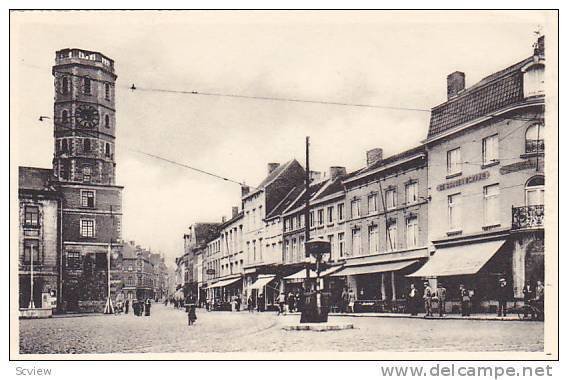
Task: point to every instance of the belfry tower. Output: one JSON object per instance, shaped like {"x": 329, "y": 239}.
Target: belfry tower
{"x": 84, "y": 166}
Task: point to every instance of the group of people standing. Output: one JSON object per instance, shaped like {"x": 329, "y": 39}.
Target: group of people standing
{"x": 292, "y": 302}
{"x": 139, "y": 307}
{"x": 431, "y": 297}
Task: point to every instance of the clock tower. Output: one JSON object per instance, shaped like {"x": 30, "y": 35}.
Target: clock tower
{"x": 84, "y": 168}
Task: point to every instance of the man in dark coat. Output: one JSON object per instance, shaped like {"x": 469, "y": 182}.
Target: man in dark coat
{"x": 441, "y": 298}
{"x": 412, "y": 300}
{"x": 528, "y": 296}
{"x": 126, "y": 306}
{"x": 147, "y": 307}
{"x": 465, "y": 301}
{"x": 502, "y": 296}
{"x": 427, "y": 299}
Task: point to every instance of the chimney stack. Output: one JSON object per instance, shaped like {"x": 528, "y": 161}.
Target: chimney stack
{"x": 374, "y": 155}
{"x": 235, "y": 211}
{"x": 539, "y": 47}
{"x": 456, "y": 83}
{"x": 245, "y": 190}
{"x": 272, "y": 166}
{"x": 336, "y": 171}
{"x": 315, "y": 176}
{"x": 223, "y": 219}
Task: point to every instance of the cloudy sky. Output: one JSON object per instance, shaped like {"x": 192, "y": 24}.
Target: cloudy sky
{"x": 382, "y": 58}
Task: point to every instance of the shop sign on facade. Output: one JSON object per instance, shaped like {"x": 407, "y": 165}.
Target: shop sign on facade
{"x": 463, "y": 181}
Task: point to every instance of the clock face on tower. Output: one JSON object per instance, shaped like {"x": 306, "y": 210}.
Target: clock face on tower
{"x": 87, "y": 116}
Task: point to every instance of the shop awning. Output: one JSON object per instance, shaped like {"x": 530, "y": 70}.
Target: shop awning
{"x": 301, "y": 274}
{"x": 223, "y": 283}
{"x": 262, "y": 282}
{"x": 374, "y": 268}
{"x": 459, "y": 260}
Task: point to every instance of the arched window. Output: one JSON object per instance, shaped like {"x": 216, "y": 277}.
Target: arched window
{"x": 534, "y": 190}
{"x": 107, "y": 121}
{"x": 65, "y": 86}
{"x": 107, "y": 91}
{"x": 534, "y": 139}
{"x": 87, "y": 145}
{"x": 65, "y": 116}
{"x": 87, "y": 86}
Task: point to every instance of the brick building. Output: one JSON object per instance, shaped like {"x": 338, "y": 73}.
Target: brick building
{"x": 83, "y": 176}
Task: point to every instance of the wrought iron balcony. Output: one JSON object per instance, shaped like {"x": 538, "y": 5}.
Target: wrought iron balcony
{"x": 528, "y": 217}
{"x": 534, "y": 146}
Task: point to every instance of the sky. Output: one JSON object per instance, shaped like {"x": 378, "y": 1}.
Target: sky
{"x": 393, "y": 59}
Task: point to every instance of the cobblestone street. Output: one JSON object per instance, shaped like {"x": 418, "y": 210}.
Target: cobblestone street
{"x": 167, "y": 331}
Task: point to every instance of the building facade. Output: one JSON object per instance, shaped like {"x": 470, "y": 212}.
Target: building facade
{"x": 486, "y": 177}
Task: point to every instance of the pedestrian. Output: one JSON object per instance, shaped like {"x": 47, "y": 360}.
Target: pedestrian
{"x": 250, "y": 304}
{"x": 281, "y": 302}
{"x": 539, "y": 300}
{"x": 147, "y": 307}
{"x": 465, "y": 301}
{"x": 260, "y": 302}
{"x": 528, "y": 296}
{"x": 166, "y": 303}
{"x": 441, "y": 296}
{"x": 412, "y": 300}
{"x": 238, "y": 302}
{"x": 502, "y": 295}
{"x": 191, "y": 316}
{"x": 351, "y": 303}
{"x": 427, "y": 297}
{"x": 344, "y": 300}
{"x": 126, "y": 306}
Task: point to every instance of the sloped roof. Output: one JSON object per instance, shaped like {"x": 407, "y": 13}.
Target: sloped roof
{"x": 492, "y": 93}
{"x": 274, "y": 174}
{"x": 37, "y": 179}
{"x": 287, "y": 201}
{"x": 389, "y": 160}
{"x": 299, "y": 200}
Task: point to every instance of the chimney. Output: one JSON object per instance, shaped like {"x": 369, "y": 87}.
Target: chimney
{"x": 539, "y": 47}
{"x": 314, "y": 175}
{"x": 456, "y": 83}
{"x": 374, "y": 155}
{"x": 235, "y": 211}
{"x": 223, "y": 219}
{"x": 272, "y": 166}
{"x": 245, "y": 190}
{"x": 336, "y": 171}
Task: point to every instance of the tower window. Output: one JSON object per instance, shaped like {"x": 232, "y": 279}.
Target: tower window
{"x": 87, "y": 174}
{"x": 65, "y": 86}
{"x": 107, "y": 121}
{"x": 65, "y": 116}
{"x": 87, "y": 145}
{"x": 31, "y": 216}
{"x": 87, "y": 86}
{"x": 107, "y": 149}
{"x": 107, "y": 91}
{"x": 64, "y": 146}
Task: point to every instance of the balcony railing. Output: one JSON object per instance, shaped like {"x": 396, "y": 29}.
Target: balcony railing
{"x": 528, "y": 217}
{"x": 534, "y": 146}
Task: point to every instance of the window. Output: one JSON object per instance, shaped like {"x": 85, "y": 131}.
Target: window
{"x": 454, "y": 212}
{"x": 302, "y": 220}
{"x": 86, "y": 174}
{"x": 341, "y": 245}
{"x": 287, "y": 251}
{"x": 312, "y": 221}
{"x": 534, "y": 139}
{"x": 301, "y": 247}
{"x": 391, "y": 236}
{"x": 294, "y": 251}
{"x": 107, "y": 121}
{"x": 65, "y": 86}
{"x": 101, "y": 261}
{"x": 330, "y": 214}
{"x": 411, "y": 232}
{"x": 411, "y": 193}
{"x": 373, "y": 239}
{"x": 291, "y": 220}
{"x": 533, "y": 81}
{"x": 490, "y": 149}
{"x": 87, "y": 198}
{"x": 87, "y": 145}
{"x": 107, "y": 91}
{"x": 491, "y": 205}
{"x": 355, "y": 208}
{"x": 391, "y": 198}
{"x": 65, "y": 117}
{"x": 87, "y": 228}
{"x": 87, "y": 86}
{"x": 356, "y": 234}
{"x": 372, "y": 202}
{"x": 107, "y": 149}
{"x": 454, "y": 161}
{"x": 31, "y": 216}
{"x": 320, "y": 217}
{"x": 340, "y": 211}
{"x": 331, "y": 240}
{"x": 64, "y": 146}
{"x": 534, "y": 191}
{"x": 31, "y": 249}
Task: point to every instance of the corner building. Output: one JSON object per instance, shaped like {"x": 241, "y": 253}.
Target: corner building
{"x": 486, "y": 179}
